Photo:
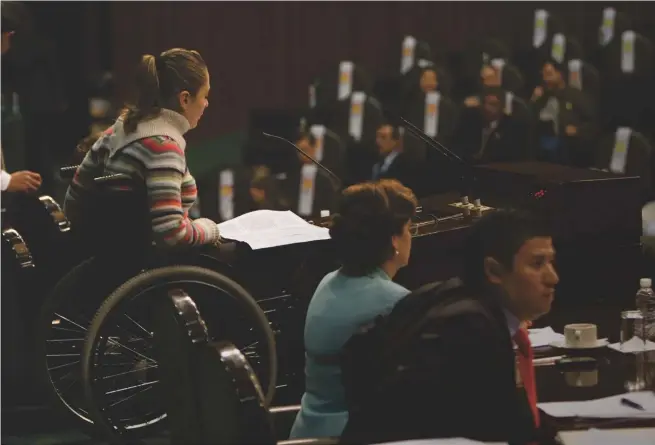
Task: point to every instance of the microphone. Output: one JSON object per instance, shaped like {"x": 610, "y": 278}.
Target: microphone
{"x": 468, "y": 177}
{"x": 336, "y": 181}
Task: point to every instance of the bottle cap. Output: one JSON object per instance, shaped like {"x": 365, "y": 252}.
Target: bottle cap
{"x": 645, "y": 283}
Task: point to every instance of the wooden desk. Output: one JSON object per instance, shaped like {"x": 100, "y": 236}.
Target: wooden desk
{"x": 617, "y": 373}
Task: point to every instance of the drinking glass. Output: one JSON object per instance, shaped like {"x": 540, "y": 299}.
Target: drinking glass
{"x": 632, "y": 326}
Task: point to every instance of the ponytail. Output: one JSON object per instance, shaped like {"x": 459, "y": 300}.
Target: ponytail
{"x": 147, "y": 103}
{"x": 159, "y": 80}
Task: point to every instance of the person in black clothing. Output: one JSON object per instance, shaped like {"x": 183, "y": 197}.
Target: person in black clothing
{"x": 307, "y": 189}
{"x": 392, "y": 163}
{"x": 457, "y": 374}
{"x": 486, "y": 134}
{"x": 566, "y": 119}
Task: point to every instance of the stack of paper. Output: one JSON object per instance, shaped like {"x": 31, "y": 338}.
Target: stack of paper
{"x": 263, "y": 229}
{"x": 633, "y": 346}
{"x": 544, "y": 337}
{"x": 451, "y": 441}
{"x": 606, "y": 408}
{"x": 628, "y": 436}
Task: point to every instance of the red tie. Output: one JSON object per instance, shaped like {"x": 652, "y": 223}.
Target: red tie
{"x": 525, "y": 356}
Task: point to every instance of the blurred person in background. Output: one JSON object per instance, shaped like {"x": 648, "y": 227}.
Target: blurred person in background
{"x": 21, "y": 181}
{"x": 487, "y": 134}
{"x": 566, "y": 120}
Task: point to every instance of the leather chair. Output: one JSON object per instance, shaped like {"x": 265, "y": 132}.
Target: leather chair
{"x": 213, "y": 396}
{"x": 639, "y": 159}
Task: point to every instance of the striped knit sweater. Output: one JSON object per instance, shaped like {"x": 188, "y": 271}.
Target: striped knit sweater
{"x": 154, "y": 153}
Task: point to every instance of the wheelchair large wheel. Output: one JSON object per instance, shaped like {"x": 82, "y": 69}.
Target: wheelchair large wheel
{"x": 63, "y": 323}
{"x": 119, "y": 368}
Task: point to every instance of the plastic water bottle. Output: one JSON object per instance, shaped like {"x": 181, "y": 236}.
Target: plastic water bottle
{"x": 646, "y": 305}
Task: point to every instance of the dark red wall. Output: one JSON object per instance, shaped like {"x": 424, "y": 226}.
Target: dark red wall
{"x": 264, "y": 54}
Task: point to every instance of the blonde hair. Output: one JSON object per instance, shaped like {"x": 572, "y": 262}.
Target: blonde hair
{"x": 159, "y": 79}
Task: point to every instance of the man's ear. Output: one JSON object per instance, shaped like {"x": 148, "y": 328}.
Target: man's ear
{"x": 493, "y": 270}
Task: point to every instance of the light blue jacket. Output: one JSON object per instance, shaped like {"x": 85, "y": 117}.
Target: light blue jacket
{"x": 340, "y": 306}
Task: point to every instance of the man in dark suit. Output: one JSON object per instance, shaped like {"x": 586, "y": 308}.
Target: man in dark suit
{"x": 307, "y": 189}
{"x": 486, "y": 134}
{"x": 566, "y": 119}
{"x": 393, "y": 162}
{"x": 458, "y": 375}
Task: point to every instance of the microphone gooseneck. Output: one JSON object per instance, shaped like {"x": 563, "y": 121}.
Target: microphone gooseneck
{"x": 335, "y": 179}
{"x": 468, "y": 177}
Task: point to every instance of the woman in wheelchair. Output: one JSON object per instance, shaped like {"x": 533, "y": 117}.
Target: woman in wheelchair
{"x": 147, "y": 144}
{"x": 373, "y": 241}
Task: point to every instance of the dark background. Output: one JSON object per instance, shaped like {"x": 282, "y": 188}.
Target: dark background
{"x": 264, "y": 54}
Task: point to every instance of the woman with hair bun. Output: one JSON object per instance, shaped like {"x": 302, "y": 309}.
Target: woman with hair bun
{"x": 147, "y": 143}
{"x": 371, "y": 234}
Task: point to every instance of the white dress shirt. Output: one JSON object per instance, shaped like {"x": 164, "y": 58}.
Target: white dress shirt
{"x": 5, "y": 178}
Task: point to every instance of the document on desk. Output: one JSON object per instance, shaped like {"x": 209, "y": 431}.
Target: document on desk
{"x": 263, "y": 229}
{"x": 628, "y": 436}
{"x": 606, "y": 408}
{"x": 544, "y": 337}
{"x": 450, "y": 441}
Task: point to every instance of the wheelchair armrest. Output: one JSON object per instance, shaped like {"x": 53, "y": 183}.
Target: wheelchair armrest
{"x": 311, "y": 441}
{"x": 68, "y": 172}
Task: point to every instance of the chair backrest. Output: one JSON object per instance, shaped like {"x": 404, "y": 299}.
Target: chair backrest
{"x": 585, "y": 77}
{"x": 628, "y": 54}
{"x": 412, "y": 51}
{"x": 212, "y": 394}
{"x": 418, "y": 112}
{"x": 510, "y": 76}
{"x": 565, "y": 47}
{"x": 333, "y": 150}
{"x": 338, "y": 82}
{"x": 628, "y": 152}
{"x": 612, "y": 24}
{"x": 542, "y": 27}
{"x": 225, "y": 194}
{"x": 410, "y": 82}
{"x": 119, "y": 216}
{"x": 350, "y": 129}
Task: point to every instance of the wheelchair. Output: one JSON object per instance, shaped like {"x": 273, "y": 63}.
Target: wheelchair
{"x": 95, "y": 335}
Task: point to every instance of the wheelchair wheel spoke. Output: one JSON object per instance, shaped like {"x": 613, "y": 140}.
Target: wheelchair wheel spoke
{"x": 130, "y": 397}
{"x": 64, "y": 365}
{"x": 129, "y": 372}
{"x": 148, "y": 333}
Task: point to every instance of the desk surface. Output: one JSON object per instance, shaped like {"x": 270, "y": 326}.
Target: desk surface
{"x": 617, "y": 372}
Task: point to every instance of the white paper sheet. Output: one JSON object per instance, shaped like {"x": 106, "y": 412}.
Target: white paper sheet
{"x": 606, "y": 408}
{"x": 634, "y": 345}
{"x": 630, "y": 436}
{"x": 544, "y": 337}
{"x": 450, "y": 441}
{"x": 263, "y": 229}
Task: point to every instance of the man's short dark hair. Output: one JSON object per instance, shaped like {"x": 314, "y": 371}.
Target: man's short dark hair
{"x": 496, "y": 92}
{"x": 301, "y": 134}
{"x": 561, "y": 67}
{"x": 499, "y": 234}
{"x": 395, "y": 130}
